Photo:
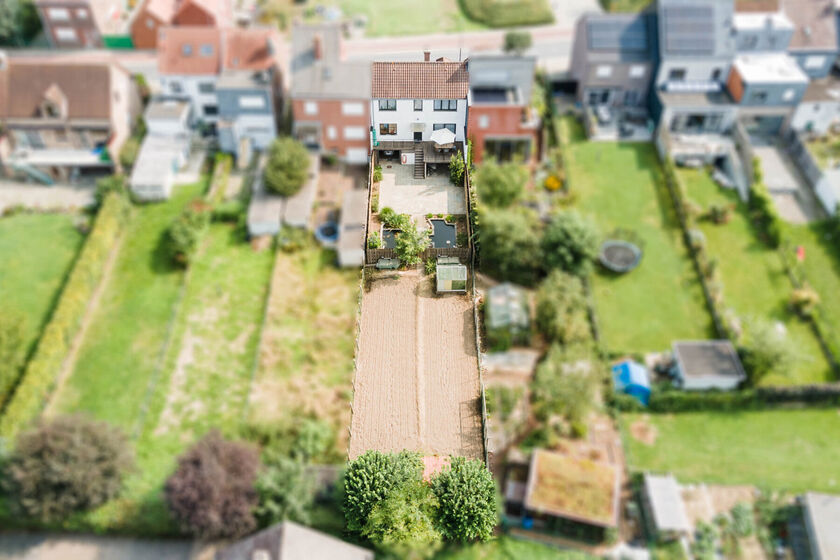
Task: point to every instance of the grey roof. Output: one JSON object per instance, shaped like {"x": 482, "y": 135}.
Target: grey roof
{"x": 703, "y": 358}
{"x": 351, "y": 227}
{"x": 167, "y": 109}
{"x": 329, "y": 77}
{"x": 290, "y": 541}
{"x": 694, "y": 98}
{"x": 823, "y": 89}
{"x": 513, "y": 73}
{"x": 666, "y": 503}
{"x": 616, "y": 37}
{"x": 696, "y": 28}
{"x": 815, "y": 26}
{"x": 822, "y": 516}
{"x": 507, "y": 306}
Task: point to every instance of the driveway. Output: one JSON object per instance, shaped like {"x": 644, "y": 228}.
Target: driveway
{"x": 48, "y": 546}
{"x": 793, "y": 196}
{"x": 57, "y": 197}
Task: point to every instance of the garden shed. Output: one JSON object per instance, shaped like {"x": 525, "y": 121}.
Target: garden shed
{"x": 632, "y": 378}
{"x": 664, "y": 507}
{"x": 707, "y": 364}
{"x": 507, "y": 315}
{"x": 451, "y": 275}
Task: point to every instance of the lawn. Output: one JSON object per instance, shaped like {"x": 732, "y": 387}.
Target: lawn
{"x": 406, "y": 17}
{"x": 509, "y": 548}
{"x": 791, "y": 450}
{"x": 624, "y": 5}
{"x": 306, "y": 361}
{"x": 619, "y": 185}
{"x": 754, "y": 282}
{"x": 37, "y": 252}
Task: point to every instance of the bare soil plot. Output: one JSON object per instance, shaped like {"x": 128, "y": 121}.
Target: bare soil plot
{"x": 416, "y": 384}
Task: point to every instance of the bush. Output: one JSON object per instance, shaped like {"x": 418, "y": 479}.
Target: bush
{"x": 804, "y": 301}
{"x": 186, "y": 231}
{"x": 763, "y": 209}
{"x": 231, "y": 211}
{"x": 517, "y": 42}
{"x": 500, "y": 185}
{"x": 374, "y": 241}
{"x": 570, "y": 243}
{"x": 456, "y": 169}
{"x": 12, "y": 351}
{"x": 410, "y": 243}
{"x": 377, "y": 174}
{"x": 370, "y": 479}
{"x": 562, "y": 313}
{"x": 509, "y": 244}
{"x": 68, "y": 465}
{"x": 287, "y": 167}
{"x": 54, "y": 344}
{"x": 503, "y": 13}
{"x": 402, "y": 524}
{"x": 313, "y": 438}
{"x": 211, "y": 493}
{"x": 766, "y": 351}
{"x": 565, "y": 384}
{"x": 743, "y": 520}
{"x": 285, "y": 490}
{"x": 107, "y": 185}
{"x": 469, "y": 501}
{"x": 392, "y": 220}
{"x": 129, "y": 151}
{"x": 374, "y": 203}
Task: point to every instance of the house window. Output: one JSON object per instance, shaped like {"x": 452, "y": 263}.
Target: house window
{"x": 186, "y": 50}
{"x": 676, "y": 74}
{"x": 814, "y": 62}
{"x": 206, "y": 50}
{"x": 251, "y": 102}
{"x": 356, "y": 132}
{"x": 631, "y": 97}
{"x": 750, "y": 42}
{"x": 81, "y": 13}
{"x": 387, "y": 128}
{"x": 637, "y": 71}
{"x": 603, "y": 71}
{"x": 446, "y": 104}
{"x": 450, "y": 126}
{"x": 310, "y": 108}
{"x": 418, "y": 104}
{"x": 150, "y": 23}
{"x": 58, "y": 14}
{"x": 758, "y": 97}
{"x": 210, "y": 110}
{"x": 352, "y": 109}
{"x": 484, "y": 121}
{"x": 61, "y": 135}
{"x": 65, "y": 33}
{"x": 331, "y": 132}
{"x": 387, "y": 104}
{"x": 175, "y": 87}
{"x": 789, "y": 94}
{"x": 716, "y": 75}
{"x": 34, "y": 140}
{"x": 206, "y": 87}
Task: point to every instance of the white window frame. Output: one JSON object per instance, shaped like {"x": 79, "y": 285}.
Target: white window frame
{"x": 58, "y": 14}
{"x": 66, "y": 34}
{"x": 310, "y": 107}
{"x": 251, "y": 102}
{"x": 81, "y": 13}
{"x": 637, "y": 71}
{"x": 332, "y": 134}
{"x": 603, "y": 71}
{"x": 352, "y": 108}
{"x": 789, "y": 94}
{"x": 354, "y": 132}
{"x": 484, "y": 121}
{"x": 815, "y": 61}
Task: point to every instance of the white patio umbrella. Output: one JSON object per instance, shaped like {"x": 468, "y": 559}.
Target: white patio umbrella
{"x": 443, "y": 138}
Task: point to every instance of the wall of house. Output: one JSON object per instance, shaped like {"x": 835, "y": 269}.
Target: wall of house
{"x": 144, "y": 29}
{"x": 187, "y": 87}
{"x": 258, "y": 123}
{"x": 623, "y": 77}
{"x": 772, "y": 95}
{"x": 75, "y": 19}
{"x": 343, "y": 125}
{"x": 405, "y": 116}
{"x": 815, "y": 116}
{"x": 672, "y": 114}
{"x": 125, "y": 107}
{"x": 58, "y": 136}
{"x": 816, "y": 64}
{"x": 695, "y": 70}
{"x": 498, "y": 122}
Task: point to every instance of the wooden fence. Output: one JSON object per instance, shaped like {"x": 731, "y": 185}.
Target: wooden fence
{"x": 463, "y": 253}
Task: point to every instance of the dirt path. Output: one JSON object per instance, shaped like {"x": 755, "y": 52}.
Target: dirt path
{"x": 70, "y": 361}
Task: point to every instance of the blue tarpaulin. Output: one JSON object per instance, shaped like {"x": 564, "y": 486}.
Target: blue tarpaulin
{"x": 632, "y": 379}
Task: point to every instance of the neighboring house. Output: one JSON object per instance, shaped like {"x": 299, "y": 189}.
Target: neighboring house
{"x": 153, "y": 15}
{"x": 290, "y": 541}
{"x": 664, "y": 508}
{"x": 165, "y": 149}
{"x": 819, "y": 110}
{"x": 411, "y": 102}
{"x": 351, "y": 228}
{"x": 707, "y": 364}
{"x": 74, "y": 24}
{"x": 822, "y": 518}
{"x": 61, "y": 118}
{"x": 502, "y": 124}
{"x": 814, "y": 40}
{"x": 613, "y": 59}
{"x": 230, "y": 77}
{"x": 330, "y": 96}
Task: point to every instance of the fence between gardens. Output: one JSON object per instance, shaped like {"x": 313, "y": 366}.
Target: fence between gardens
{"x": 373, "y": 255}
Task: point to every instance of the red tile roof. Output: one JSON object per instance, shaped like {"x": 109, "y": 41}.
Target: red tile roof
{"x": 419, "y": 80}
{"x": 231, "y": 49}
{"x": 248, "y": 49}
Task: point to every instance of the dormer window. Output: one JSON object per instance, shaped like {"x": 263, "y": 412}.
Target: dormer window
{"x": 50, "y": 110}
{"x": 53, "y": 103}
{"x": 186, "y": 50}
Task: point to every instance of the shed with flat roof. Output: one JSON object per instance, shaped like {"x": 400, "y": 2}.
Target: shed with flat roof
{"x": 707, "y": 364}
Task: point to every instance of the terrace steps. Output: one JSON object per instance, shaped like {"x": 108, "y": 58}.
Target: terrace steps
{"x": 419, "y": 162}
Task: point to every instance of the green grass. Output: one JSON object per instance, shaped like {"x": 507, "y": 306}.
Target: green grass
{"x": 624, "y": 5}
{"x": 791, "y": 450}
{"x": 826, "y": 151}
{"x": 406, "y": 17}
{"x": 755, "y": 284}
{"x": 620, "y": 185}
{"x": 508, "y": 548}
{"x": 37, "y": 252}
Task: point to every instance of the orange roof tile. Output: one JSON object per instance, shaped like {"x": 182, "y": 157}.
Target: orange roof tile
{"x": 248, "y": 49}
{"x": 189, "y": 50}
{"x": 419, "y": 80}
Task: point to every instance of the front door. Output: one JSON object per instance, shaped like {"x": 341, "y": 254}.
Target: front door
{"x": 418, "y": 136}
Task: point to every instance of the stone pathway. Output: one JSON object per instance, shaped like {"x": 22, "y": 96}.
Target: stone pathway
{"x": 57, "y": 197}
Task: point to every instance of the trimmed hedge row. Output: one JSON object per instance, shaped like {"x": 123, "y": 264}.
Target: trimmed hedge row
{"x": 763, "y": 398}
{"x": 763, "y": 209}
{"x": 54, "y": 345}
{"x": 507, "y": 13}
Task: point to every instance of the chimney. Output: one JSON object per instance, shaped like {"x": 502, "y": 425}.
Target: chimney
{"x": 427, "y": 56}
{"x": 316, "y": 48}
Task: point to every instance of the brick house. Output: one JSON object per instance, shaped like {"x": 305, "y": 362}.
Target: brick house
{"x": 330, "y": 96}
{"x": 153, "y": 15}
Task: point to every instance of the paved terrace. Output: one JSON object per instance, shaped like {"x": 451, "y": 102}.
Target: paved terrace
{"x": 418, "y": 197}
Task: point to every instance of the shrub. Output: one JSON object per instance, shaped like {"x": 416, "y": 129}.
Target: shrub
{"x": 469, "y": 501}
{"x": 211, "y": 493}
{"x": 500, "y": 185}
{"x": 766, "y": 350}
{"x": 743, "y": 520}
{"x": 231, "y": 211}
{"x": 719, "y": 213}
{"x": 374, "y": 241}
{"x": 12, "y": 351}
{"x": 565, "y": 384}
{"x": 67, "y": 465}
{"x": 456, "y": 168}
{"x": 374, "y": 203}
{"x": 287, "y": 167}
{"x": 107, "y": 185}
{"x": 553, "y": 183}
{"x": 45, "y": 364}
{"x": 371, "y": 478}
{"x": 285, "y": 490}
{"x": 570, "y": 243}
{"x": 129, "y": 151}
{"x": 377, "y": 174}
{"x": 313, "y": 438}
{"x": 562, "y": 314}
{"x": 186, "y": 231}
{"x": 402, "y": 524}
{"x": 804, "y": 301}
{"x": 517, "y": 42}
{"x": 503, "y": 13}
{"x": 430, "y": 266}
{"x": 509, "y": 244}
{"x": 763, "y": 209}
{"x": 393, "y": 220}
{"x": 410, "y": 243}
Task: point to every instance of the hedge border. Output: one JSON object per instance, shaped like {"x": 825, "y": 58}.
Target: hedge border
{"x": 42, "y": 370}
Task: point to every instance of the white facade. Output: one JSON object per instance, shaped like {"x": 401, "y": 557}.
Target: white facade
{"x": 199, "y": 90}
{"x": 261, "y": 129}
{"x": 816, "y": 116}
{"x": 408, "y": 120}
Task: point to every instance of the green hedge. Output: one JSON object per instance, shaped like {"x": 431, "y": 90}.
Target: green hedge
{"x": 508, "y": 13}
{"x": 763, "y": 210}
{"x": 54, "y": 345}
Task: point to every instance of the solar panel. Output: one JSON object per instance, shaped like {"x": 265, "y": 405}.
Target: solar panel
{"x": 618, "y": 34}
{"x": 689, "y": 29}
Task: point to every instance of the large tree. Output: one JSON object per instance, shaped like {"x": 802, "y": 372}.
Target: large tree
{"x": 287, "y": 166}
{"x": 403, "y": 523}
{"x": 562, "y": 314}
{"x": 766, "y": 350}
{"x": 66, "y": 465}
{"x": 509, "y": 246}
{"x": 500, "y": 185}
{"x": 185, "y": 233}
{"x": 469, "y": 501}
{"x": 570, "y": 243}
{"x": 371, "y": 477}
{"x": 410, "y": 243}
{"x": 212, "y": 491}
